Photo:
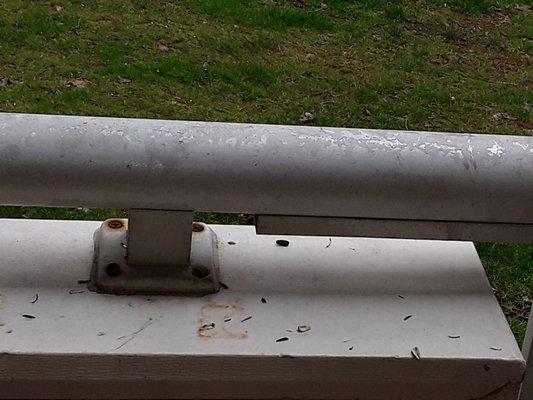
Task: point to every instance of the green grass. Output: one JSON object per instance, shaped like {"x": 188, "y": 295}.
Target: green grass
{"x": 446, "y": 65}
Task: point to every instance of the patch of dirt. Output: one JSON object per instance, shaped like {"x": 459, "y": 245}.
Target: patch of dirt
{"x": 285, "y": 4}
{"x": 421, "y": 27}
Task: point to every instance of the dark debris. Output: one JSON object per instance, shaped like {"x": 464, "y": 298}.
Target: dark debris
{"x": 207, "y": 327}
{"x": 415, "y": 352}
{"x": 282, "y": 242}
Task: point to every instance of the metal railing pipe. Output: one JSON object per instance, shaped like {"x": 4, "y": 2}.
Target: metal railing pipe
{"x": 48, "y": 160}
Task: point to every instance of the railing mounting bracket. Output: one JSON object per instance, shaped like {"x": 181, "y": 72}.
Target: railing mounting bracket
{"x": 155, "y": 252}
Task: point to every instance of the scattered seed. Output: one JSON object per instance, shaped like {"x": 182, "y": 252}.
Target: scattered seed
{"x": 347, "y": 340}
{"x": 83, "y": 281}
{"x": 28, "y": 316}
{"x": 227, "y": 320}
{"x": 263, "y": 300}
{"x": 9, "y": 331}
{"x": 101, "y": 333}
{"x": 207, "y": 327}
{"x": 329, "y": 243}
{"x": 303, "y": 328}
{"x": 352, "y": 249}
{"x": 454, "y": 336}
{"x": 223, "y": 285}
{"x": 231, "y": 243}
{"x": 401, "y": 297}
{"x": 35, "y": 299}
{"x": 406, "y": 318}
{"x": 351, "y": 348}
{"x": 415, "y": 352}
{"x": 283, "y": 339}
{"x": 74, "y": 291}
{"x": 496, "y": 348}
{"x": 282, "y": 242}
{"x": 288, "y": 330}
{"x": 246, "y": 319}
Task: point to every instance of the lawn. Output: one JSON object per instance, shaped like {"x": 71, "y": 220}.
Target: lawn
{"x": 455, "y": 65}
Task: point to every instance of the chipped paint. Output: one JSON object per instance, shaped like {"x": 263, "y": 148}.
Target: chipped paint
{"x": 224, "y": 319}
{"x": 496, "y": 150}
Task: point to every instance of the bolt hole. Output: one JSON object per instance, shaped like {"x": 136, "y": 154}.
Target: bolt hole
{"x": 112, "y": 270}
{"x": 200, "y": 272}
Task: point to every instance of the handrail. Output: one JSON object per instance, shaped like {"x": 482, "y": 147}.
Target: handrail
{"x": 54, "y": 161}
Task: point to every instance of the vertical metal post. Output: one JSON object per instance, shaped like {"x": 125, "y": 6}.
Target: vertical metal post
{"x": 526, "y": 392}
{"x": 159, "y": 238}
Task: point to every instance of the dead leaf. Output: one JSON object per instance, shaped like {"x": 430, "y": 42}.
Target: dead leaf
{"x": 123, "y": 80}
{"x": 502, "y": 116}
{"x": 310, "y": 57}
{"x": 58, "y": 7}
{"x": 307, "y": 117}
{"x": 523, "y": 7}
{"x": 526, "y": 126}
{"x": 77, "y": 84}
{"x": 164, "y": 47}
{"x": 4, "y": 83}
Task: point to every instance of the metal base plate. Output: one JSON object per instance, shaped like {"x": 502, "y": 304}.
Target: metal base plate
{"x": 112, "y": 274}
{"x": 368, "y": 303}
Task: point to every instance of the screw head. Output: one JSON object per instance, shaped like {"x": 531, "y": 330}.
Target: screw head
{"x": 115, "y": 224}
{"x": 200, "y": 272}
{"x": 197, "y": 227}
{"x": 113, "y": 270}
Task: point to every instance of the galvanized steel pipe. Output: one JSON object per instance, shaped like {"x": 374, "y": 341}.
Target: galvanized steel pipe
{"x": 48, "y": 160}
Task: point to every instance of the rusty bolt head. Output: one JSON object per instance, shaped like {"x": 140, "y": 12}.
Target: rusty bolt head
{"x": 115, "y": 224}
{"x": 197, "y": 227}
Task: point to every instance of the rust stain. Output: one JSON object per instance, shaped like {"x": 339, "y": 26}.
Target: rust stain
{"x": 225, "y": 318}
